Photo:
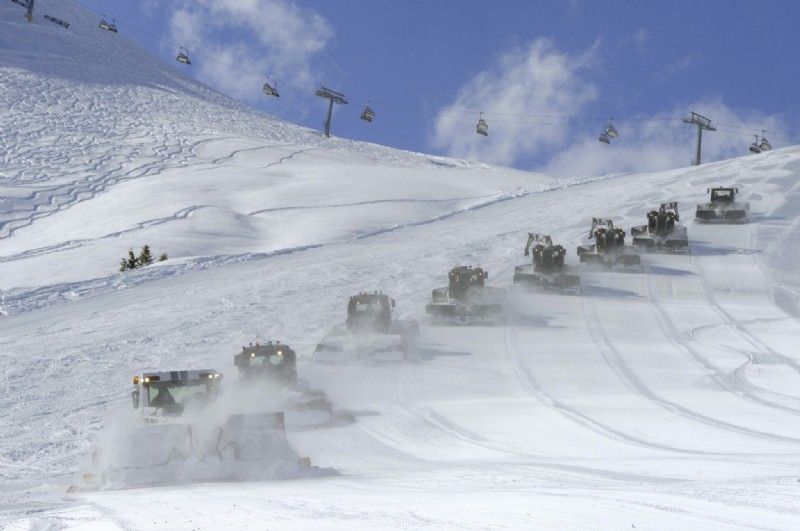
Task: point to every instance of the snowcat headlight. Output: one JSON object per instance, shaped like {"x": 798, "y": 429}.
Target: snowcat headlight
{"x": 135, "y": 380}
{"x": 146, "y": 379}
{"x": 252, "y": 354}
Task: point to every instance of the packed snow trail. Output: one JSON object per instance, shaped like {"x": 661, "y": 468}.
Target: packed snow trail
{"x": 621, "y": 400}
{"x": 666, "y": 397}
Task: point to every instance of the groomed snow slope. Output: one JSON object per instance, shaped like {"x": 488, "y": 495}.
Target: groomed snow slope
{"x": 666, "y": 398}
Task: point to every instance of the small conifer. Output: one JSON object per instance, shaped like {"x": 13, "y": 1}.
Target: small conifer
{"x": 145, "y": 258}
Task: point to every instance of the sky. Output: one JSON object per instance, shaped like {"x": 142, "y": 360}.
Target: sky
{"x": 548, "y": 75}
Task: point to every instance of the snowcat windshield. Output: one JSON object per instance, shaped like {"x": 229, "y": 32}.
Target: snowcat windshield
{"x": 261, "y": 361}
{"x": 177, "y": 395}
{"x": 368, "y": 307}
{"x": 725, "y": 195}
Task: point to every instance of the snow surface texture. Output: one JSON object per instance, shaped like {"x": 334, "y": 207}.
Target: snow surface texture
{"x": 661, "y": 398}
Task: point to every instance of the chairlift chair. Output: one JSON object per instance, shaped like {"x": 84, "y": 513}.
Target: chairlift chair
{"x": 482, "y": 128}
{"x": 108, "y": 26}
{"x": 271, "y": 89}
{"x": 183, "y": 57}
{"x": 611, "y": 131}
{"x": 764, "y": 145}
{"x": 754, "y": 147}
{"x": 368, "y": 115}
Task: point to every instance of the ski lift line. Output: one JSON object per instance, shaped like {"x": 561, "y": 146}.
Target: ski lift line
{"x": 450, "y": 111}
{"x": 749, "y": 130}
{"x": 496, "y": 117}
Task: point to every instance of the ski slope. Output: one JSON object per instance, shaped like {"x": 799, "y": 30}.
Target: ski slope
{"x": 663, "y": 398}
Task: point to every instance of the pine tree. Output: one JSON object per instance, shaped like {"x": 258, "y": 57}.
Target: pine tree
{"x": 145, "y": 258}
{"x": 132, "y": 261}
{"x": 163, "y": 257}
{"x": 123, "y": 264}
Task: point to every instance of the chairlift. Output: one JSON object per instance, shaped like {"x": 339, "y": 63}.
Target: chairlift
{"x": 482, "y": 128}
{"x": 611, "y": 131}
{"x": 183, "y": 56}
{"x": 609, "y": 134}
{"x": 764, "y": 145}
{"x": 754, "y": 147}
{"x": 108, "y": 26}
{"x": 271, "y": 89}
{"x": 368, "y": 115}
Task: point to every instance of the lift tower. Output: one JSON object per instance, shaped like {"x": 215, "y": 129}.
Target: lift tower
{"x": 702, "y": 123}
{"x": 333, "y": 97}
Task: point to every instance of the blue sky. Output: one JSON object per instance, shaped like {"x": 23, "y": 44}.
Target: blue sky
{"x": 548, "y": 74}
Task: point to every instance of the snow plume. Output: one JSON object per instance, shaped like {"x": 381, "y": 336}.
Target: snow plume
{"x": 662, "y": 141}
{"x": 240, "y": 41}
{"x": 536, "y": 79}
{"x": 236, "y": 435}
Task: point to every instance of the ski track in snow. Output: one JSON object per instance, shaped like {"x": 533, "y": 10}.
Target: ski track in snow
{"x": 659, "y": 398}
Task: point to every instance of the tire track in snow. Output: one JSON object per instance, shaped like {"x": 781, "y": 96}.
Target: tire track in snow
{"x": 617, "y": 363}
{"x": 409, "y": 390}
{"x": 73, "y": 244}
{"x": 712, "y": 371}
{"x": 534, "y": 389}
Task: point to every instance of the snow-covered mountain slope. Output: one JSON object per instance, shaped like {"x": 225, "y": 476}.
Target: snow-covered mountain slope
{"x": 661, "y": 398}
{"x": 104, "y": 149}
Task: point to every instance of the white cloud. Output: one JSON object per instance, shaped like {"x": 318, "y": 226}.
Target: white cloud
{"x": 533, "y": 80}
{"x": 680, "y": 65}
{"x": 537, "y": 97}
{"x": 236, "y": 42}
{"x": 662, "y": 141}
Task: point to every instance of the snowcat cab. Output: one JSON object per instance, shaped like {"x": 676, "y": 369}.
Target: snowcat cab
{"x": 662, "y": 232}
{"x": 547, "y": 257}
{"x": 463, "y": 280}
{"x": 170, "y": 393}
{"x": 369, "y": 333}
{"x": 547, "y": 269}
{"x": 369, "y": 312}
{"x": 274, "y": 361}
{"x": 465, "y": 296}
{"x": 609, "y": 248}
{"x": 722, "y": 207}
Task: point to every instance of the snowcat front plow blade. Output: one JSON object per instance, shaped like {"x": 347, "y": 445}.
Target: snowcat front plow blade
{"x": 525, "y": 276}
{"x": 465, "y": 313}
{"x": 735, "y": 216}
{"x": 342, "y": 346}
{"x": 644, "y": 241}
{"x": 243, "y": 447}
{"x": 611, "y": 259}
{"x": 730, "y": 214}
{"x": 658, "y": 245}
